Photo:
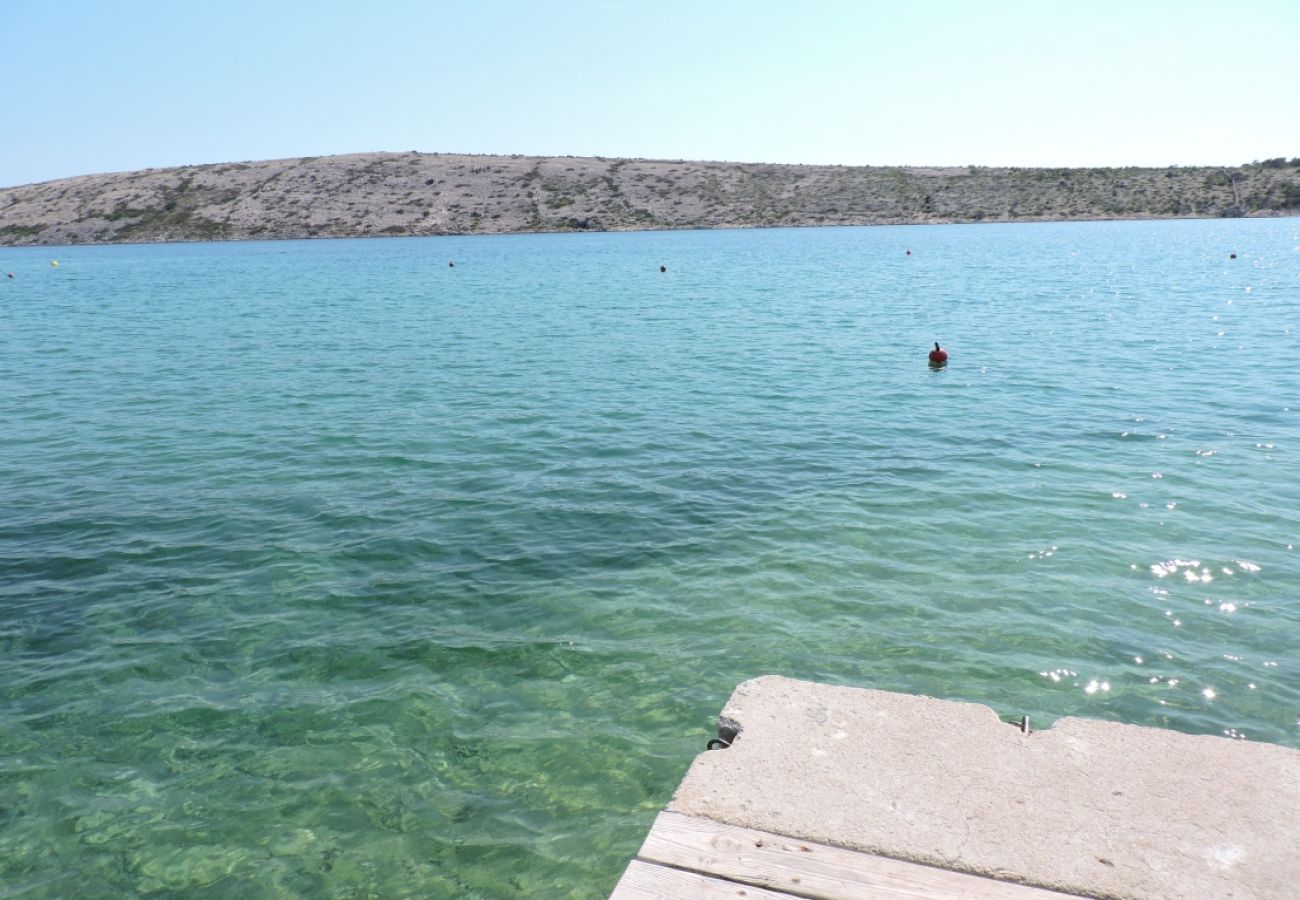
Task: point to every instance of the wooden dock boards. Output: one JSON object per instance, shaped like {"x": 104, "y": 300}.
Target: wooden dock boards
{"x": 688, "y": 857}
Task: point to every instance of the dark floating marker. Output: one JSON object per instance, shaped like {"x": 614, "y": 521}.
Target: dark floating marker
{"x": 909, "y": 252}
{"x": 663, "y": 268}
{"x": 938, "y": 357}
{"x": 451, "y": 265}
{"x": 11, "y": 274}
{"x": 1232, "y": 256}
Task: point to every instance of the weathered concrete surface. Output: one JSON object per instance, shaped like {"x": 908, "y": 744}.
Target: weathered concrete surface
{"x": 1088, "y": 807}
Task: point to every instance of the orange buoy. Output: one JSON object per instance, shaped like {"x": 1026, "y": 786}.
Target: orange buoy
{"x": 938, "y": 356}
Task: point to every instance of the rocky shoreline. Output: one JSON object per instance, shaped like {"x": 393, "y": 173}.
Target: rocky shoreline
{"x": 381, "y": 194}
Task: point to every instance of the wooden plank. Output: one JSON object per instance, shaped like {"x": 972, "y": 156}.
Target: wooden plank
{"x": 647, "y": 881}
{"x": 813, "y": 870}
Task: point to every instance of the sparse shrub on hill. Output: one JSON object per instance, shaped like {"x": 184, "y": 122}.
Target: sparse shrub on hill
{"x": 361, "y": 194}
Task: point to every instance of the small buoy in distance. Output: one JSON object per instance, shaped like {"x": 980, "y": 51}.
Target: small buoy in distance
{"x": 909, "y": 252}
{"x": 938, "y": 356}
{"x": 54, "y": 264}
{"x": 11, "y": 274}
{"x": 1232, "y": 256}
{"x": 663, "y": 268}
{"x": 451, "y": 264}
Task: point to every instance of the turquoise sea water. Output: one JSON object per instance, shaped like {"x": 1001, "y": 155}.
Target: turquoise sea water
{"x": 329, "y": 570}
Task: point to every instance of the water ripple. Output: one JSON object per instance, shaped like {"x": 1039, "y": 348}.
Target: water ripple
{"x": 324, "y": 570}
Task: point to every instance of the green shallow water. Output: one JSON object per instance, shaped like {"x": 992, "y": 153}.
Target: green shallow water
{"x": 328, "y": 570}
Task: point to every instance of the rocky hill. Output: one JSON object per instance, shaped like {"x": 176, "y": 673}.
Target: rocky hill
{"x": 429, "y": 193}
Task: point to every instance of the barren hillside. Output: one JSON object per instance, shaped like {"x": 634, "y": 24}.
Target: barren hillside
{"x": 421, "y": 193}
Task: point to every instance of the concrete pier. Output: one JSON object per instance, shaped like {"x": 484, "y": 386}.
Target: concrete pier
{"x": 842, "y": 792}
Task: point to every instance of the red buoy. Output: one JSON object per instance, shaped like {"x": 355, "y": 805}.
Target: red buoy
{"x": 938, "y": 356}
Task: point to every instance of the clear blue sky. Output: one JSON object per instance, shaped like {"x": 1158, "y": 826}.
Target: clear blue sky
{"x": 100, "y": 86}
